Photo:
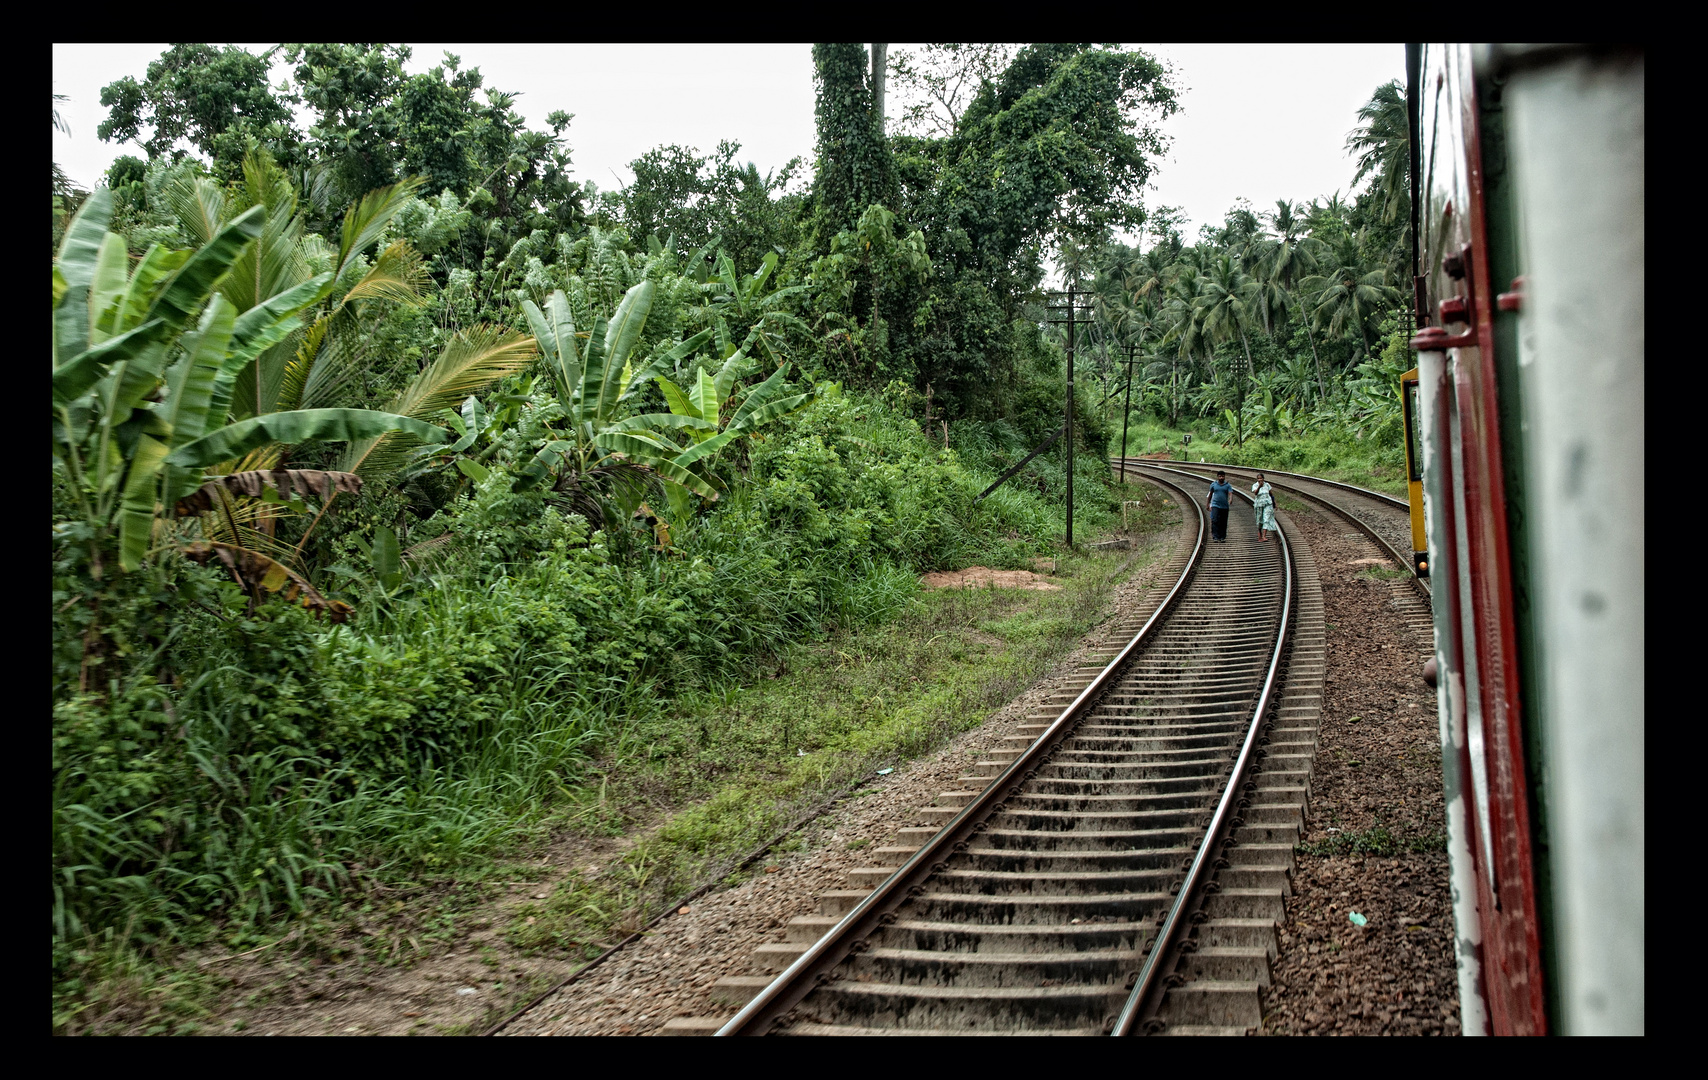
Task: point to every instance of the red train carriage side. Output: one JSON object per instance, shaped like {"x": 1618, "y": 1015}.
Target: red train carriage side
{"x": 1528, "y": 222}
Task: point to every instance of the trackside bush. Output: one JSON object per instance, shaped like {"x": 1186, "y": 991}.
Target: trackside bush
{"x": 236, "y": 764}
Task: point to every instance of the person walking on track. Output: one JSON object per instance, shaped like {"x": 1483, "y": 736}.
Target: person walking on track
{"x": 1263, "y": 502}
{"x": 1220, "y": 492}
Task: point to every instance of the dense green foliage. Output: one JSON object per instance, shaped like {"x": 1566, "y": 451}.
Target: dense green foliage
{"x": 400, "y": 480}
{"x": 1273, "y": 325}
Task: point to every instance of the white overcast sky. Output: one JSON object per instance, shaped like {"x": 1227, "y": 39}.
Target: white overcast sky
{"x": 1259, "y": 121}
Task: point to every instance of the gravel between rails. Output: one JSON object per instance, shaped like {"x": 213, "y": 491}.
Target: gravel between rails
{"x": 1378, "y": 763}
{"x": 669, "y": 973}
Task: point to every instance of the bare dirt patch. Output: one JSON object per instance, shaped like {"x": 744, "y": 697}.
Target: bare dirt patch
{"x": 1373, "y": 843}
{"x": 979, "y": 577}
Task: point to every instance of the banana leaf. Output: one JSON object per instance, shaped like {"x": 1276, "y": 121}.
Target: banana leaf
{"x": 107, "y": 287}
{"x": 78, "y": 254}
{"x": 136, "y": 509}
{"x": 184, "y": 294}
{"x": 644, "y": 451}
{"x": 299, "y": 426}
{"x": 676, "y": 399}
{"x": 74, "y": 378}
{"x": 158, "y": 264}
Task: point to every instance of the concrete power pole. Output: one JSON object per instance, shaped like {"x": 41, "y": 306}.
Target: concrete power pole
{"x": 880, "y": 70}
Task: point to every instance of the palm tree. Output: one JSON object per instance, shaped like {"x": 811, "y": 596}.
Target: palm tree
{"x": 1227, "y": 298}
{"x": 298, "y": 370}
{"x": 1146, "y": 323}
{"x": 1147, "y": 274}
{"x": 1382, "y": 144}
{"x": 321, "y": 366}
{"x": 1185, "y": 324}
{"x": 1283, "y": 264}
{"x": 1325, "y": 220}
{"x": 1342, "y": 299}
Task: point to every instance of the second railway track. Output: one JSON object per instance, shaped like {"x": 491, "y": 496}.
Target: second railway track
{"x": 1124, "y": 872}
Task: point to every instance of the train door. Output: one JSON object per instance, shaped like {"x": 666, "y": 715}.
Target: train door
{"x": 1414, "y": 473}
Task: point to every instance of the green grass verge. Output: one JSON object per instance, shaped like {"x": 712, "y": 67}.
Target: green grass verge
{"x": 752, "y": 760}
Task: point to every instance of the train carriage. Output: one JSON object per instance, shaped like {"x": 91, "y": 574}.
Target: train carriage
{"x": 1525, "y": 452}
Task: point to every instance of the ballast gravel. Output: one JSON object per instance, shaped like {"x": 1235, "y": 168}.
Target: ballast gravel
{"x": 670, "y": 972}
{"x": 1378, "y": 764}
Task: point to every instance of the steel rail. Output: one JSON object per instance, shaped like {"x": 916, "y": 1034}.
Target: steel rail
{"x": 1402, "y": 560}
{"x": 814, "y": 966}
{"x": 1143, "y": 1001}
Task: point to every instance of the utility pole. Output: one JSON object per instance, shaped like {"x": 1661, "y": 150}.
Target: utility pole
{"x": 1072, "y": 308}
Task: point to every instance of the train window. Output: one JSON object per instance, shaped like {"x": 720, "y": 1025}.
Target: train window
{"x": 1414, "y": 449}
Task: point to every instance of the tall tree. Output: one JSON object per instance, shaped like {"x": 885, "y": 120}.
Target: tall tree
{"x": 1347, "y": 294}
{"x": 1226, "y": 296}
{"x": 1058, "y": 148}
{"x": 698, "y": 198}
{"x": 1283, "y": 262}
{"x": 855, "y": 166}
{"x": 1382, "y": 144}
{"x": 214, "y": 97}
{"x": 880, "y": 71}
{"x": 935, "y": 84}
{"x": 1185, "y": 318}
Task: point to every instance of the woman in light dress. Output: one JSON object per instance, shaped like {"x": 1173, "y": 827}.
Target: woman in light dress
{"x": 1263, "y": 502}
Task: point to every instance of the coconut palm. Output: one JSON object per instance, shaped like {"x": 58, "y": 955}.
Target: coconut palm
{"x": 1382, "y": 145}
{"x": 1286, "y": 260}
{"x": 1147, "y": 274}
{"x": 1184, "y": 319}
{"x": 1226, "y": 305}
{"x": 1341, "y": 300}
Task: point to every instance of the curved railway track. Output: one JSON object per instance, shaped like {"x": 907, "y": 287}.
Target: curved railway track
{"x": 1124, "y": 872}
{"x": 1383, "y": 519}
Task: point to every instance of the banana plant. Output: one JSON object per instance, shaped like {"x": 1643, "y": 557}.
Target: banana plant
{"x": 708, "y": 397}
{"x": 596, "y": 382}
{"x": 745, "y": 301}
{"x": 141, "y": 398}
{"x": 596, "y": 385}
{"x": 473, "y": 424}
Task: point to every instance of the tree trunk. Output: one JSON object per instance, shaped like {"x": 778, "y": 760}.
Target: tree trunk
{"x": 1322, "y": 384}
{"x": 1239, "y": 391}
{"x": 880, "y": 61}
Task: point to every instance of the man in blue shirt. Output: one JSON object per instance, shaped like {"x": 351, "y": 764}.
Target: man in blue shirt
{"x": 1220, "y": 491}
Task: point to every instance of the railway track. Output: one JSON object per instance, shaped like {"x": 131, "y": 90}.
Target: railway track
{"x": 1122, "y": 868}
{"x": 1383, "y": 519}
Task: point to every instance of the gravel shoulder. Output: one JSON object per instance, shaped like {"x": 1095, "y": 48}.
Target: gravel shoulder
{"x": 1373, "y": 842}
